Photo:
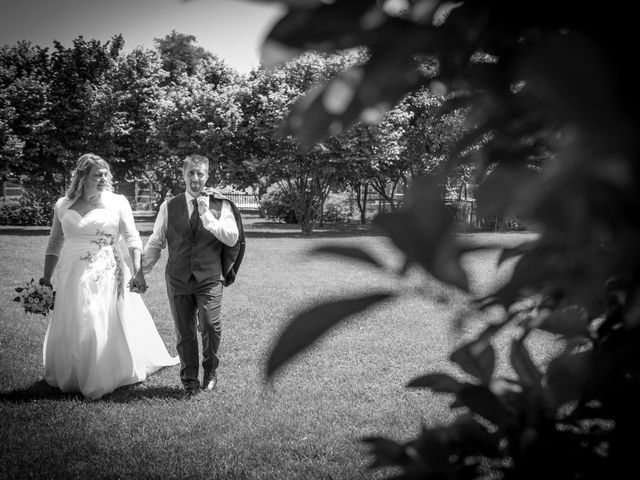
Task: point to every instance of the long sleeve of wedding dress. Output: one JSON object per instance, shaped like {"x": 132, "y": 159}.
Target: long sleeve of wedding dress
{"x": 128, "y": 228}
{"x": 56, "y": 237}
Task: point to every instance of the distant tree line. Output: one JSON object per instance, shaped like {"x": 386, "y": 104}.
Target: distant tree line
{"x": 146, "y": 109}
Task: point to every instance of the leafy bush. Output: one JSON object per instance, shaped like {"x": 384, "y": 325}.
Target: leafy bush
{"x": 27, "y": 211}
{"x": 275, "y": 205}
{"x": 500, "y": 223}
{"x": 466, "y": 213}
{"x": 337, "y": 208}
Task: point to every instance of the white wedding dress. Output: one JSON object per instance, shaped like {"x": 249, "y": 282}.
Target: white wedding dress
{"x": 101, "y": 336}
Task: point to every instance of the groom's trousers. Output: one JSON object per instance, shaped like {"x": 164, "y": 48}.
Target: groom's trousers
{"x": 196, "y": 306}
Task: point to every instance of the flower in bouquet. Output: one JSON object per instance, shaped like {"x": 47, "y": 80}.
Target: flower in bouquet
{"x": 35, "y": 297}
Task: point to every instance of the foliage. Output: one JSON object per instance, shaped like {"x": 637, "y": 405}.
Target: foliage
{"x": 26, "y": 124}
{"x": 337, "y": 208}
{"x": 403, "y": 144}
{"x": 124, "y": 114}
{"x": 75, "y": 74}
{"x": 550, "y": 103}
{"x": 378, "y": 152}
{"x": 499, "y": 223}
{"x": 192, "y": 116}
{"x": 145, "y": 110}
{"x": 27, "y": 210}
{"x": 306, "y": 175}
{"x": 92, "y": 96}
{"x": 275, "y": 205}
{"x": 49, "y": 108}
{"x": 180, "y": 54}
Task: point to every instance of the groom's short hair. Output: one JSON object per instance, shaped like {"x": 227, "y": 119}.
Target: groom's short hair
{"x": 195, "y": 160}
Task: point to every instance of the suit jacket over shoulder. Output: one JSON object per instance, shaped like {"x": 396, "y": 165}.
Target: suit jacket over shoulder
{"x": 231, "y": 257}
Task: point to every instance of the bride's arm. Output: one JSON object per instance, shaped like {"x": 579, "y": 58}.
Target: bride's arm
{"x": 130, "y": 233}
{"x": 54, "y": 245}
{"x": 135, "y": 255}
{"x": 50, "y": 262}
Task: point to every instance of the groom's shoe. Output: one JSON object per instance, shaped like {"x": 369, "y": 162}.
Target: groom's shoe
{"x": 189, "y": 393}
{"x": 209, "y": 382}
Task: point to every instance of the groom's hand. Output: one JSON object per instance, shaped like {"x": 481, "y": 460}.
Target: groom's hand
{"x": 138, "y": 284}
{"x": 203, "y": 204}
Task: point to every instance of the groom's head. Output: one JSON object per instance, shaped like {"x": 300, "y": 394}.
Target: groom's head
{"x": 195, "y": 169}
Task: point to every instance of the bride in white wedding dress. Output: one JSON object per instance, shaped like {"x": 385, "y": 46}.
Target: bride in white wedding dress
{"x": 101, "y": 335}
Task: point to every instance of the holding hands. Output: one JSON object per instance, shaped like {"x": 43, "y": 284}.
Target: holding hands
{"x": 138, "y": 284}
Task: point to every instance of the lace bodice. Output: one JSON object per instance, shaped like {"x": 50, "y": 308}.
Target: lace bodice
{"x": 106, "y": 224}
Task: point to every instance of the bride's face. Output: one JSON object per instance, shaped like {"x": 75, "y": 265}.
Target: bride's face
{"x": 96, "y": 181}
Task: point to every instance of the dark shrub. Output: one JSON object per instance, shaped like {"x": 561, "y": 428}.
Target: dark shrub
{"x": 28, "y": 210}
{"x": 464, "y": 211}
{"x": 275, "y": 205}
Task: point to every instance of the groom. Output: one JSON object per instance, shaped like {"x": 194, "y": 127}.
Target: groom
{"x": 204, "y": 234}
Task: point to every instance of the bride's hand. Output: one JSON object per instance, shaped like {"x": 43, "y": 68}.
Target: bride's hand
{"x": 45, "y": 281}
{"x": 137, "y": 284}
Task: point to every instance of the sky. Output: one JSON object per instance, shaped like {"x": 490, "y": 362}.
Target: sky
{"x": 231, "y": 29}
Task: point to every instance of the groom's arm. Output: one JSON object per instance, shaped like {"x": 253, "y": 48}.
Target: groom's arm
{"x": 157, "y": 241}
{"x": 224, "y": 228}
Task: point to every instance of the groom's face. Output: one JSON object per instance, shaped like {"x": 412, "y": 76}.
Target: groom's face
{"x": 195, "y": 177}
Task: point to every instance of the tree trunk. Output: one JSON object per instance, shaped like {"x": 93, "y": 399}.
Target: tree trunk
{"x": 362, "y": 193}
{"x": 306, "y": 227}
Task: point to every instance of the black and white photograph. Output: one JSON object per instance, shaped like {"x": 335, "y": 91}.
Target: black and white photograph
{"x": 319, "y": 240}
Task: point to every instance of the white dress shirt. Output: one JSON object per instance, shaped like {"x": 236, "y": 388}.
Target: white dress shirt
{"x": 224, "y": 229}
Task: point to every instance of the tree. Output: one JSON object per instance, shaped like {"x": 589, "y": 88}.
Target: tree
{"x": 180, "y": 54}
{"x": 386, "y": 164}
{"x": 355, "y": 170}
{"x": 125, "y": 113}
{"x": 11, "y": 146}
{"x": 546, "y": 85}
{"x": 25, "y": 124}
{"x": 262, "y": 156}
{"x": 75, "y": 80}
{"x": 408, "y": 142}
{"x": 58, "y": 106}
{"x": 194, "y": 116}
{"x": 429, "y": 136}
{"x": 126, "y": 107}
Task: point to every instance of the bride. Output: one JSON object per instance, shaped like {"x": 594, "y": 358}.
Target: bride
{"x": 101, "y": 336}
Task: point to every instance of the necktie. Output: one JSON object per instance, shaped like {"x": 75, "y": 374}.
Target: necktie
{"x": 193, "y": 220}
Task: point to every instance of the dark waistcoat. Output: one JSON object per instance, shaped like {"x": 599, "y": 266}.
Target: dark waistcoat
{"x": 198, "y": 254}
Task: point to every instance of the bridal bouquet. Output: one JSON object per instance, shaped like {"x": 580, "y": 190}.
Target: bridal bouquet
{"x": 36, "y": 298}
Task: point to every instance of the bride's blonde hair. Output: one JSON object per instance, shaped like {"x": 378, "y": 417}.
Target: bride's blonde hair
{"x": 83, "y": 167}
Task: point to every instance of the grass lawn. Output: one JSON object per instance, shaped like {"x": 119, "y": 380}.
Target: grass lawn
{"x": 305, "y": 424}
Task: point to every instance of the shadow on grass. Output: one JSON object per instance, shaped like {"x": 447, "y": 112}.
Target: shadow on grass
{"x": 138, "y": 392}
{"x": 40, "y": 390}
